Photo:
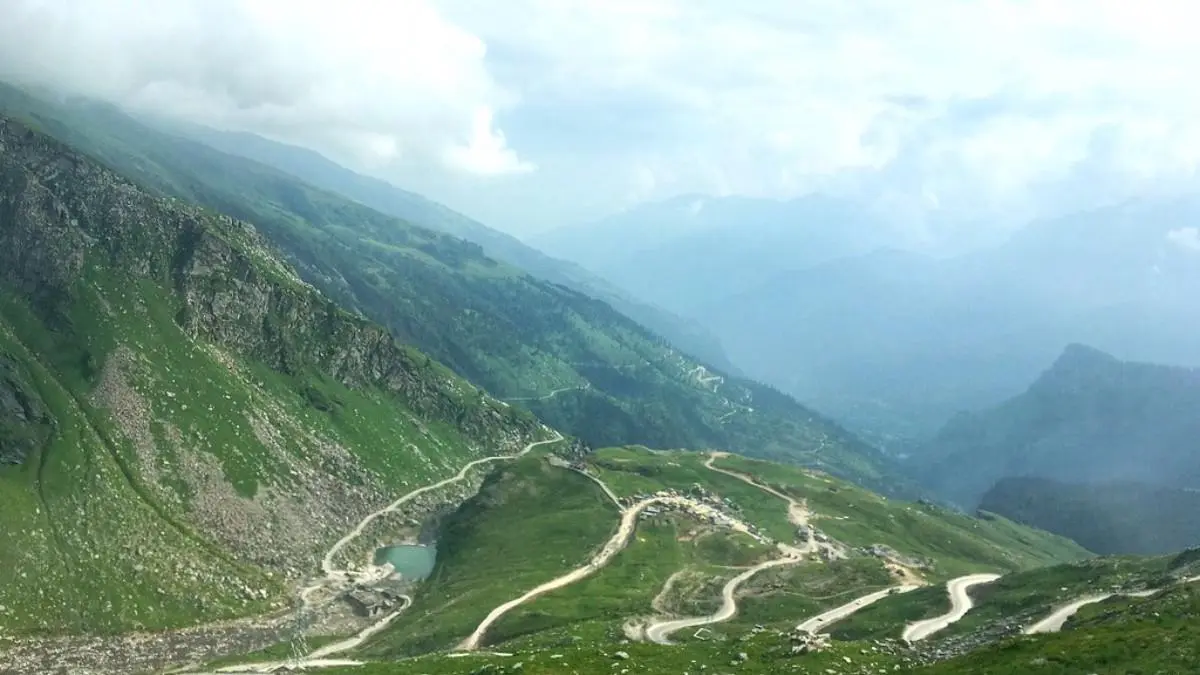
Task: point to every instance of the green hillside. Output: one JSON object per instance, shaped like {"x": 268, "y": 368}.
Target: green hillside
{"x": 316, "y": 170}
{"x": 1002, "y": 608}
{"x": 574, "y": 361}
{"x": 187, "y": 424}
{"x": 1160, "y": 634}
{"x": 536, "y": 522}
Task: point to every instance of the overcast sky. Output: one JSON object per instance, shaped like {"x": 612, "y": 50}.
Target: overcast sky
{"x": 535, "y": 113}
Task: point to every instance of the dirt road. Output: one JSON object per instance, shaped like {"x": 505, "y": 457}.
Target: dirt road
{"x": 336, "y": 578}
{"x": 327, "y": 561}
{"x": 836, "y": 614}
{"x": 798, "y": 512}
{"x": 614, "y": 545}
{"x": 960, "y": 604}
{"x": 660, "y": 631}
{"x": 1054, "y": 621}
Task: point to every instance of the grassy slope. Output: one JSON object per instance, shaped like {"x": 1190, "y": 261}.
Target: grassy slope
{"x": 516, "y": 336}
{"x": 954, "y": 542}
{"x": 386, "y": 198}
{"x": 83, "y": 520}
{"x": 535, "y": 522}
{"x": 590, "y": 652}
{"x": 1160, "y": 634}
{"x": 106, "y": 526}
{"x": 1014, "y": 600}
{"x": 627, "y": 586}
{"x": 529, "y": 523}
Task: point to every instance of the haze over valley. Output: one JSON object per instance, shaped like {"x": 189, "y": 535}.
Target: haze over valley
{"x": 468, "y": 339}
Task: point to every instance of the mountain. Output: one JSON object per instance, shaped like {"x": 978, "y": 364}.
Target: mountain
{"x": 1108, "y": 518}
{"x": 685, "y": 252}
{"x": 574, "y": 361}
{"x": 185, "y": 423}
{"x": 1090, "y": 419}
{"x": 894, "y": 343}
{"x": 204, "y": 455}
{"x": 319, "y": 171}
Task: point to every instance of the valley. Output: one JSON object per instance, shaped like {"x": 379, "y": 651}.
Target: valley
{"x": 654, "y": 630}
{"x": 228, "y": 395}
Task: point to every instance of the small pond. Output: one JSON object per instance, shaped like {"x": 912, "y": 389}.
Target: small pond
{"x": 413, "y": 562}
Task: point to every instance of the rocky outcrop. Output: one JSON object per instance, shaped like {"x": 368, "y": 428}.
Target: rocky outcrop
{"x": 60, "y": 212}
{"x": 25, "y": 422}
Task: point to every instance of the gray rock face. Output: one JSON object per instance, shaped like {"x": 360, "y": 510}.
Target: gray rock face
{"x": 60, "y": 212}
{"x": 25, "y": 423}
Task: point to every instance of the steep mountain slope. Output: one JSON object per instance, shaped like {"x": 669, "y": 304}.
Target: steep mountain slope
{"x": 319, "y": 171}
{"x": 1090, "y": 419}
{"x": 896, "y": 343}
{"x": 572, "y": 360}
{"x": 186, "y": 423}
{"x": 684, "y": 252}
{"x": 1108, "y": 518}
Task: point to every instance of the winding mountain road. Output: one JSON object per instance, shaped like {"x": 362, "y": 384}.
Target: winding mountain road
{"x": 1054, "y": 621}
{"x": 582, "y": 387}
{"x": 327, "y": 561}
{"x": 798, "y": 513}
{"x": 336, "y": 578}
{"x": 960, "y": 603}
{"x": 836, "y": 614}
{"x": 319, "y": 658}
{"x": 660, "y": 631}
{"x": 611, "y": 548}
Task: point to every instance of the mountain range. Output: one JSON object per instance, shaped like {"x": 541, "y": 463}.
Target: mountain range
{"x": 1090, "y": 418}
{"x": 178, "y": 405}
{"x": 893, "y": 343}
{"x": 571, "y": 359}
{"x": 1112, "y": 518}
{"x": 689, "y": 251}
{"x": 227, "y": 394}
{"x": 317, "y": 170}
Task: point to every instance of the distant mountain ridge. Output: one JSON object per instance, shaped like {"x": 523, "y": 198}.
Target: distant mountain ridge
{"x": 1089, "y": 419}
{"x": 574, "y": 361}
{"x": 322, "y": 172}
{"x": 893, "y": 343}
{"x": 685, "y": 252}
{"x": 1119, "y": 517}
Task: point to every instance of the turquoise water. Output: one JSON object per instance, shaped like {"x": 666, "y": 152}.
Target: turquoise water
{"x": 411, "y": 561}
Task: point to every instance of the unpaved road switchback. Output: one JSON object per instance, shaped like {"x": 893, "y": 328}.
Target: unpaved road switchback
{"x": 960, "y": 603}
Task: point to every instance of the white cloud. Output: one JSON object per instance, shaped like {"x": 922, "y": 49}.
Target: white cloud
{"x": 974, "y": 102}
{"x": 391, "y": 82}
{"x": 1009, "y": 107}
{"x": 486, "y": 151}
{"x": 1185, "y": 237}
